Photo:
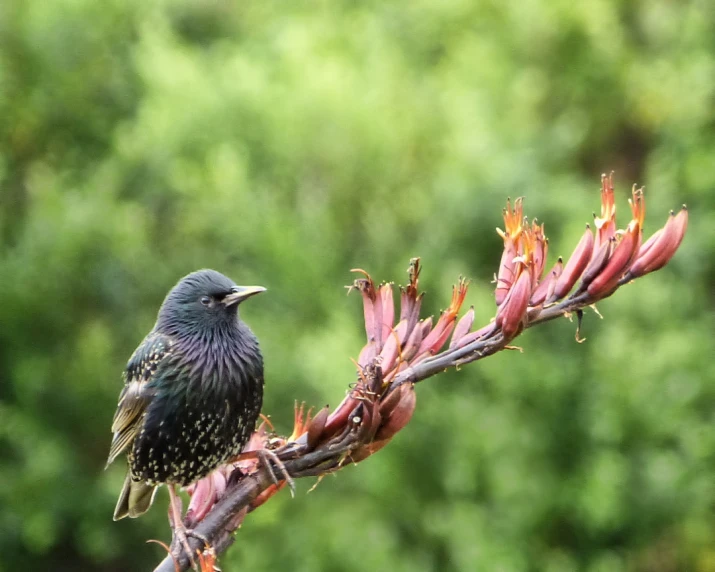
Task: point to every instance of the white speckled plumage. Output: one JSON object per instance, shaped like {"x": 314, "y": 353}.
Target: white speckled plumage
{"x": 193, "y": 391}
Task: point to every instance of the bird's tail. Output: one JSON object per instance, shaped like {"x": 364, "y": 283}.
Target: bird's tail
{"x": 135, "y": 499}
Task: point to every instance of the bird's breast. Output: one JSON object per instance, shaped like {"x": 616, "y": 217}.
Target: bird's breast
{"x": 203, "y": 413}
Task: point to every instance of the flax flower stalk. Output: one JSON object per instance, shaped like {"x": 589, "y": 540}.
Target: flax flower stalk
{"x": 382, "y": 400}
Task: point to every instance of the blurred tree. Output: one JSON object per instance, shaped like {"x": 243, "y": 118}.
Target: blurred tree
{"x": 286, "y": 143}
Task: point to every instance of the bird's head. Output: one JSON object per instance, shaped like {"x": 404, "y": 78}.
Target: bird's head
{"x": 203, "y": 300}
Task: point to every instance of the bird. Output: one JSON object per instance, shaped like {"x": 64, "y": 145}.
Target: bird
{"x": 192, "y": 394}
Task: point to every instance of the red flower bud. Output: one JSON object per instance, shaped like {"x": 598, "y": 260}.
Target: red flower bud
{"x": 646, "y": 246}
{"x": 505, "y": 275}
{"x": 372, "y": 310}
{"x": 473, "y": 336}
{"x": 338, "y": 418}
{"x": 389, "y": 352}
{"x": 513, "y": 310}
{"x": 316, "y": 427}
{"x": 433, "y": 341}
{"x": 410, "y": 301}
{"x": 574, "y": 266}
{"x": 618, "y": 263}
{"x": 393, "y": 419}
{"x": 367, "y": 354}
{"x": 426, "y": 326}
{"x": 540, "y": 250}
{"x": 546, "y": 287}
{"x": 387, "y": 310}
{"x": 412, "y": 344}
{"x": 597, "y": 263}
{"x": 463, "y": 326}
{"x": 400, "y": 416}
{"x": 660, "y": 248}
{"x": 513, "y": 219}
{"x": 202, "y": 499}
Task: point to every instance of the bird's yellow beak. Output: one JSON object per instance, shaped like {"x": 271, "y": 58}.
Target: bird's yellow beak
{"x": 240, "y": 293}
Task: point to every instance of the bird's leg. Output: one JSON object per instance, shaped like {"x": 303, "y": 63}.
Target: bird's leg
{"x": 266, "y": 456}
{"x": 180, "y": 530}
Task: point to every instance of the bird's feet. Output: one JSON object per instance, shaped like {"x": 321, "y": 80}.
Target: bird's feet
{"x": 181, "y": 533}
{"x": 182, "y": 536}
{"x": 266, "y": 456}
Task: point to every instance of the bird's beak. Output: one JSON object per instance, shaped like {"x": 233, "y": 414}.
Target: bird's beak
{"x": 240, "y": 293}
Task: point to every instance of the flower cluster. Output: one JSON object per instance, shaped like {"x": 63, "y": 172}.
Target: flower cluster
{"x": 600, "y": 263}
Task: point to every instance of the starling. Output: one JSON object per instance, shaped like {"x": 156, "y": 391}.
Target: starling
{"x": 193, "y": 390}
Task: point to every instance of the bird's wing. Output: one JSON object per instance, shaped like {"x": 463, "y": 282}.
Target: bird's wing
{"x": 137, "y": 392}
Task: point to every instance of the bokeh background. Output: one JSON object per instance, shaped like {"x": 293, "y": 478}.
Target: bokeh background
{"x": 284, "y": 143}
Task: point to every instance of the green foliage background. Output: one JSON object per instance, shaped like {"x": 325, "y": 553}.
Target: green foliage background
{"x": 284, "y": 143}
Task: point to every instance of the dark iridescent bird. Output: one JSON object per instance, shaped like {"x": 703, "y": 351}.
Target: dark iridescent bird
{"x": 193, "y": 391}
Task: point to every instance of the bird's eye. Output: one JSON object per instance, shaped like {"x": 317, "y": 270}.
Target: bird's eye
{"x": 205, "y": 300}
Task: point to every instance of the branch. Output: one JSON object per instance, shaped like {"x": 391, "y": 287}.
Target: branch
{"x": 398, "y": 355}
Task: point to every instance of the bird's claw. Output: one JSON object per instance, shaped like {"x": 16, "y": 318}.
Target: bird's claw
{"x": 199, "y": 536}
{"x": 181, "y": 536}
{"x": 181, "y": 533}
{"x": 266, "y": 456}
